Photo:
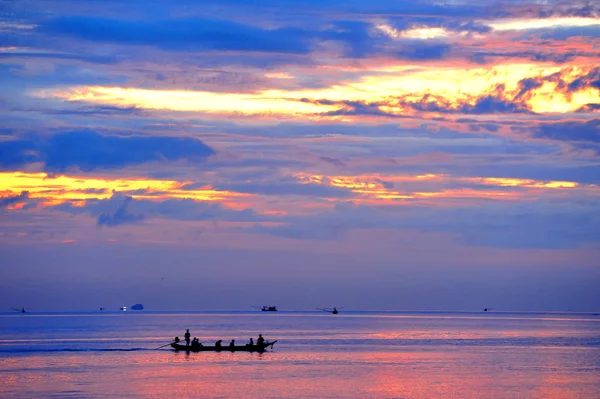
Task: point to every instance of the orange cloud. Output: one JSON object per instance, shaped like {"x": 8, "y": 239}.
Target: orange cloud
{"x": 378, "y": 188}
{"x": 401, "y": 90}
{"x": 55, "y": 190}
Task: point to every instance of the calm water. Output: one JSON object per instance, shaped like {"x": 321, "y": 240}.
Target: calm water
{"x": 350, "y": 355}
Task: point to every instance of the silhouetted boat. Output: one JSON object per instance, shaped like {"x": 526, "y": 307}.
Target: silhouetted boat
{"x": 237, "y": 348}
{"x": 330, "y": 310}
{"x": 267, "y": 308}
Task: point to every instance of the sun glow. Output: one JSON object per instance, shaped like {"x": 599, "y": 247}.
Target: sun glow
{"x": 182, "y": 100}
{"x": 396, "y": 92}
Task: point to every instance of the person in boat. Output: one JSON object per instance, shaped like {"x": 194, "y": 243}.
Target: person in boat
{"x": 177, "y": 340}
{"x": 260, "y": 340}
{"x": 218, "y": 343}
{"x": 187, "y": 337}
{"x": 196, "y": 343}
{"x": 232, "y": 343}
{"x": 251, "y": 342}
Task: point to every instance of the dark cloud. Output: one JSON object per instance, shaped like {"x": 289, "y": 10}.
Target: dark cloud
{"x": 423, "y": 50}
{"x": 182, "y": 34}
{"x": 120, "y": 216}
{"x": 88, "y": 150}
{"x": 333, "y": 161}
{"x": 99, "y": 110}
{"x": 589, "y": 80}
{"x": 589, "y": 108}
{"x": 131, "y": 210}
{"x": 58, "y": 56}
{"x": 357, "y": 37}
{"x": 489, "y": 225}
{"x": 9, "y": 200}
{"x": 566, "y": 33}
{"x": 570, "y": 131}
{"x": 499, "y": 102}
{"x": 93, "y": 191}
{"x": 557, "y": 57}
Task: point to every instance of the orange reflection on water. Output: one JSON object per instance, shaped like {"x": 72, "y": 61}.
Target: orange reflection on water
{"x": 382, "y": 372}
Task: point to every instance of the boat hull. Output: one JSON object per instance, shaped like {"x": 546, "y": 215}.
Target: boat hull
{"x": 240, "y": 348}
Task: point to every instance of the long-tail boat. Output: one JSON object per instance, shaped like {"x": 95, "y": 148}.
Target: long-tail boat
{"x": 237, "y": 348}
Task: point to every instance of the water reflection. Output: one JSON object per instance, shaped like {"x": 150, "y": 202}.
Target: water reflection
{"x": 474, "y": 373}
{"x": 316, "y": 357}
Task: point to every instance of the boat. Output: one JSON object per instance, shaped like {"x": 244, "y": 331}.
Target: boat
{"x": 267, "y": 308}
{"x": 238, "y": 348}
{"x": 330, "y": 310}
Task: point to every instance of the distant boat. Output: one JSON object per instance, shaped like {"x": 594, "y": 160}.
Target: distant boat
{"x": 123, "y": 308}
{"x": 137, "y": 306}
{"x": 22, "y": 310}
{"x": 237, "y": 348}
{"x": 330, "y": 310}
{"x": 267, "y": 308}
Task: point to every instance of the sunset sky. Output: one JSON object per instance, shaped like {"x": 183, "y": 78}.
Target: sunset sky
{"x": 367, "y": 154}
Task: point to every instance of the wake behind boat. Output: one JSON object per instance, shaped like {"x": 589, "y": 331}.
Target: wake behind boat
{"x": 237, "y": 348}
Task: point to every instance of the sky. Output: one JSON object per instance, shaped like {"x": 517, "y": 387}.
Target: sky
{"x": 397, "y": 155}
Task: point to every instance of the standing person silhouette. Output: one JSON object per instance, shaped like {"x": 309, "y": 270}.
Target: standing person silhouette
{"x": 187, "y": 337}
{"x": 260, "y": 340}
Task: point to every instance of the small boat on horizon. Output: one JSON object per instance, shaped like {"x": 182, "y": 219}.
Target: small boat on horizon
{"x": 330, "y": 310}
{"x": 267, "y": 308}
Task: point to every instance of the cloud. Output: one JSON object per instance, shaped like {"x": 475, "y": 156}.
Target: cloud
{"x": 96, "y": 110}
{"x": 498, "y": 102}
{"x": 88, "y": 150}
{"x": 541, "y": 225}
{"x": 333, "y": 161}
{"x": 57, "y": 56}
{"x": 182, "y": 34}
{"x": 589, "y": 80}
{"x": 9, "y": 200}
{"x": 120, "y": 216}
{"x": 357, "y": 37}
{"x": 566, "y": 33}
{"x": 286, "y": 186}
{"x": 497, "y": 99}
{"x": 570, "y": 131}
{"x": 534, "y": 55}
{"x": 183, "y": 209}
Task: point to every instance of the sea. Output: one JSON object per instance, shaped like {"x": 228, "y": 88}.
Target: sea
{"x": 370, "y": 354}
